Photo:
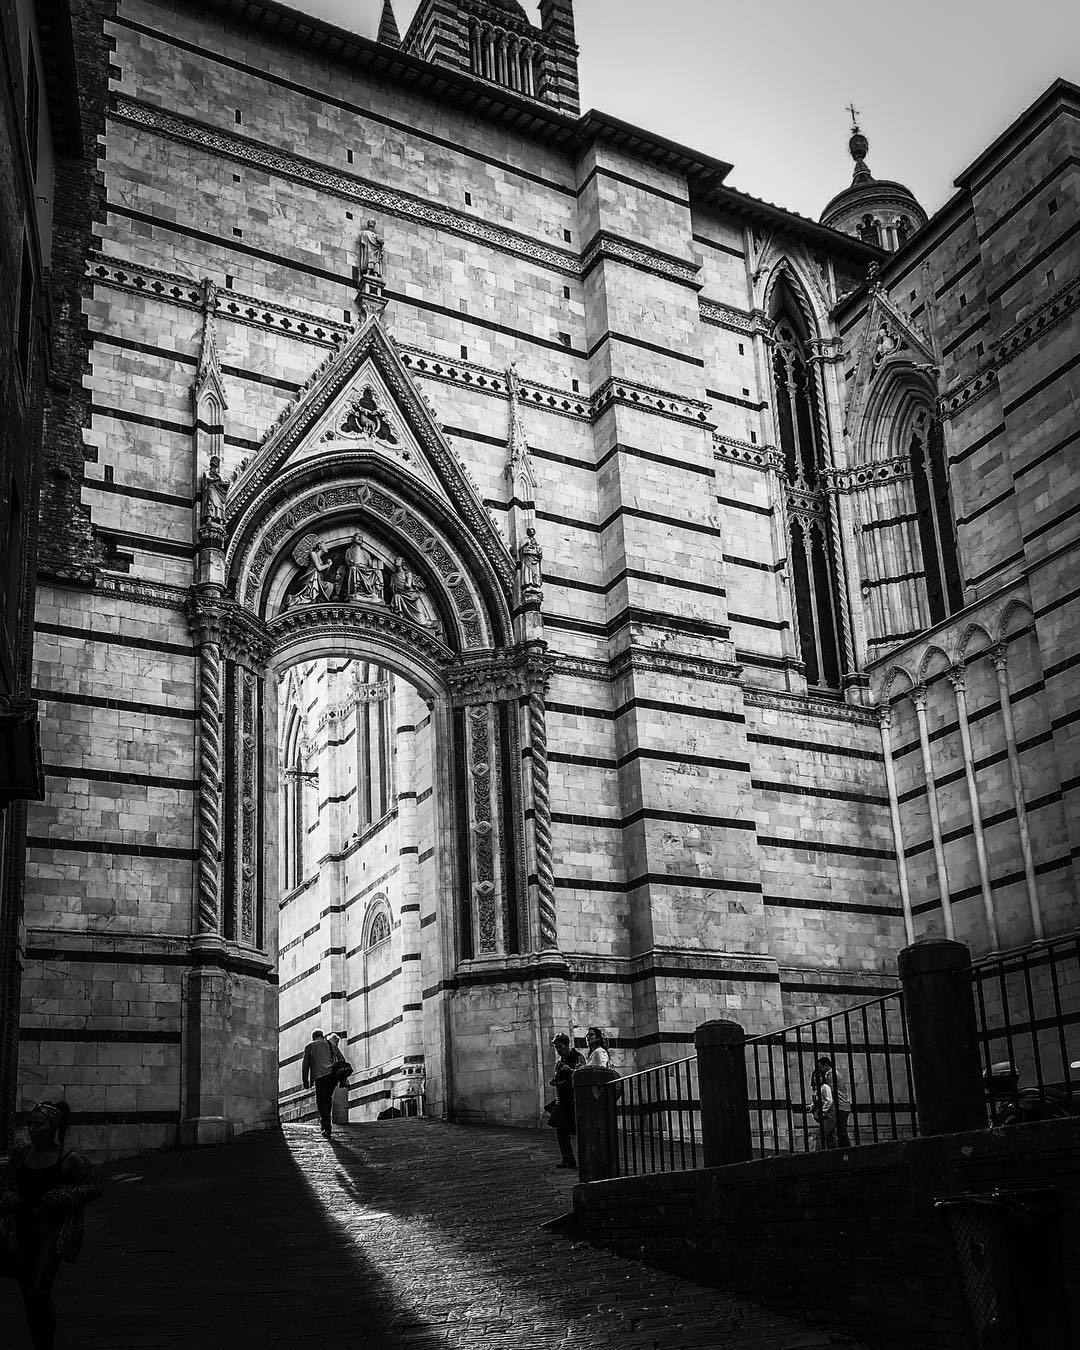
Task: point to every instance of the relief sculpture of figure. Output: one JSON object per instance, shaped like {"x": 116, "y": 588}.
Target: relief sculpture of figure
{"x": 361, "y": 575}
{"x": 372, "y": 247}
{"x": 406, "y": 590}
{"x": 316, "y": 584}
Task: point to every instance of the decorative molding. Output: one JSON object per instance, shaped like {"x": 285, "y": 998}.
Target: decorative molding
{"x": 470, "y": 375}
{"x": 506, "y": 675}
{"x": 634, "y": 659}
{"x": 1054, "y": 309}
{"x": 650, "y": 399}
{"x": 156, "y": 593}
{"x": 807, "y": 706}
{"x": 241, "y": 149}
{"x": 961, "y": 395}
{"x": 604, "y": 244}
{"x": 347, "y": 621}
{"x": 749, "y": 455}
{"x": 579, "y": 667}
{"x": 725, "y": 316}
{"x": 887, "y": 334}
{"x": 851, "y": 480}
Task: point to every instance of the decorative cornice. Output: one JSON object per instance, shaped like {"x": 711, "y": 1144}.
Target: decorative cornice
{"x": 635, "y": 659}
{"x": 852, "y": 480}
{"x": 466, "y": 374}
{"x": 804, "y": 705}
{"x": 378, "y": 692}
{"x": 743, "y": 452}
{"x": 215, "y": 620}
{"x": 604, "y": 244}
{"x": 580, "y": 668}
{"x": 653, "y": 400}
{"x": 156, "y": 593}
{"x": 1055, "y": 309}
{"x": 983, "y": 381}
{"x": 724, "y": 316}
{"x": 242, "y": 149}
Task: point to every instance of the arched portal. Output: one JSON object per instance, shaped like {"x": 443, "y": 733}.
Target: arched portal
{"x": 354, "y": 537}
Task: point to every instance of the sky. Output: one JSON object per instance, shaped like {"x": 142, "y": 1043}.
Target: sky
{"x": 764, "y": 85}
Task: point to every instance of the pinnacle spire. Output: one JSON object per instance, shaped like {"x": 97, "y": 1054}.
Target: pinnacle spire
{"x": 858, "y": 146}
{"x": 388, "y": 29}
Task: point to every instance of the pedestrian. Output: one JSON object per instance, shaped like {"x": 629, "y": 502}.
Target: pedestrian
{"x": 834, "y": 1097}
{"x": 320, "y": 1067}
{"x": 596, "y": 1044}
{"x": 41, "y": 1213}
{"x": 562, "y": 1108}
{"x": 823, "y": 1113}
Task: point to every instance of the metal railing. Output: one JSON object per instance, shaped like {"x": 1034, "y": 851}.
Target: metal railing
{"x": 869, "y": 1047}
{"x": 1027, "y": 1009}
{"x": 657, "y": 1119}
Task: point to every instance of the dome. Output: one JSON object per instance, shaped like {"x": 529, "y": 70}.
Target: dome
{"x": 877, "y": 210}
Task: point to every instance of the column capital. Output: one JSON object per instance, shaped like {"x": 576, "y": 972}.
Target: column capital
{"x": 999, "y": 654}
{"x": 957, "y": 676}
{"x": 884, "y": 716}
{"x": 918, "y": 696}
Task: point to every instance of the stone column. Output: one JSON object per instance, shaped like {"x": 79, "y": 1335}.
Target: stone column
{"x": 999, "y": 656}
{"x": 541, "y": 818}
{"x": 408, "y": 710}
{"x": 482, "y": 827}
{"x": 885, "y": 723}
{"x": 594, "y": 1110}
{"x": 956, "y": 679}
{"x": 939, "y": 1008}
{"x": 918, "y": 697}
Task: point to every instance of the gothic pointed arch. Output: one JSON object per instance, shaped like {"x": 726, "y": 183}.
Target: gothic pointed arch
{"x": 803, "y": 433}
{"x": 902, "y": 486}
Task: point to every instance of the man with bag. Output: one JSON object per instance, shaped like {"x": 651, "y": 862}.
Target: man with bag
{"x": 561, "y": 1110}
{"x": 323, "y": 1064}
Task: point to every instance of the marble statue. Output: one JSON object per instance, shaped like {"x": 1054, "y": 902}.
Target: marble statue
{"x": 361, "y": 575}
{"x": 406, "y": 590}
{"x": 316, "y": 584}
{"x": 531, "y": 556}
{"x": 372, "y": 248}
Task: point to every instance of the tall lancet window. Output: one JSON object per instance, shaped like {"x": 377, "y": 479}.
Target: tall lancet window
{"x": 800, "y": 414}
{"x": 933, "y": 506}
{"x": 294, "y": 804}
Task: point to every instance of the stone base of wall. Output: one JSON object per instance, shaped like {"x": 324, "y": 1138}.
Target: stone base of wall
{"x": 855, "y": 1241}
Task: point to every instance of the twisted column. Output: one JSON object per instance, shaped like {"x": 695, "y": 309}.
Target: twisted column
{"x": 545, "y": 875}
{"x": 208, "y": 913}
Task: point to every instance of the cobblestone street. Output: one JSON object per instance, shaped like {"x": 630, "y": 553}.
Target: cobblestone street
{"x": 410, "y": 1235}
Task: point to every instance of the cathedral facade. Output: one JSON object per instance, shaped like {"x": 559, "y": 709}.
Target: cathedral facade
{"x": 499, "y": 578}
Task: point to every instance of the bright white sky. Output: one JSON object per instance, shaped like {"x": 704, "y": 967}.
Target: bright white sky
{"x": 764, "y": 84}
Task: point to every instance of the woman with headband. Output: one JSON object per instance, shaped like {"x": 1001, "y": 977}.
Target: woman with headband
{"x": 41, "y": 1211}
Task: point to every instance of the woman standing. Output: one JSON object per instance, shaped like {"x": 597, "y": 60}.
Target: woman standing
{"x": 46, "y": 1189}
{"x": 596, "y": 1044}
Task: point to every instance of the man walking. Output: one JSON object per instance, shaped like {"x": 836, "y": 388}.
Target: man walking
{"x": 320, "y": 1067}
{"x": 563, "y": 1083}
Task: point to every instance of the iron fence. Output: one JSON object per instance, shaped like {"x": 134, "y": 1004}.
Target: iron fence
{"x": 1027, "y": 1009}
{"x": 656, "y": 1115}
{"x": 868, "y": 1045}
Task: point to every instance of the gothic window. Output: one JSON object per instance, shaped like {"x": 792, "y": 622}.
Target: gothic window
{"x": 294, "y": 804}
{"x": 374, "y": 749}
{"x": 803, "y": 439}
{"x": 937, "y": 534}
{"x": 379, "y": 927}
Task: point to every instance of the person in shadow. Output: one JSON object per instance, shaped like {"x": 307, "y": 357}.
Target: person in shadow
{"x": 41, "y": 1213}
{"x": 562, "y": 1108}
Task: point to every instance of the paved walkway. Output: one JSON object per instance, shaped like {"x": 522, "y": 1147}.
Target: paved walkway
{"x": 409, "y": 1235}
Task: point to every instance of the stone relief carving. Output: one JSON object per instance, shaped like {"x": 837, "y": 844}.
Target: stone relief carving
{"x": 355, "y": 573}
{"x": 887, "y": 343}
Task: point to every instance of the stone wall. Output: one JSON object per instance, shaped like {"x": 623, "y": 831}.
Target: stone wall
{"x": 853, "y": 1241}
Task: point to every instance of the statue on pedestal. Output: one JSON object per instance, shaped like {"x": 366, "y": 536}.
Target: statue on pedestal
{"x": 406, "y": 590}
{"x": 372, "y": 248}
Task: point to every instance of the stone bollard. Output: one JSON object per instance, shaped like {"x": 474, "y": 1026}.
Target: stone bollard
{"x": 939, "y": 1005}
{"x": 725, "y": 1109}
{"x": 594, "y": 1111}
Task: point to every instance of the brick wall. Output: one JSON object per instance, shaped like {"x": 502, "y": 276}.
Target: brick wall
{"x": 851, "y": 1241}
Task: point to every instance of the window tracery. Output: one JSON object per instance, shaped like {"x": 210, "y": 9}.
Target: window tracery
{"x": 801, "y": 422}
{"x": 933, "y": 508}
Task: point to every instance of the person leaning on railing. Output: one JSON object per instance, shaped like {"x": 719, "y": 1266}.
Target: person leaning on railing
{"x": 596, "y": 1044}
